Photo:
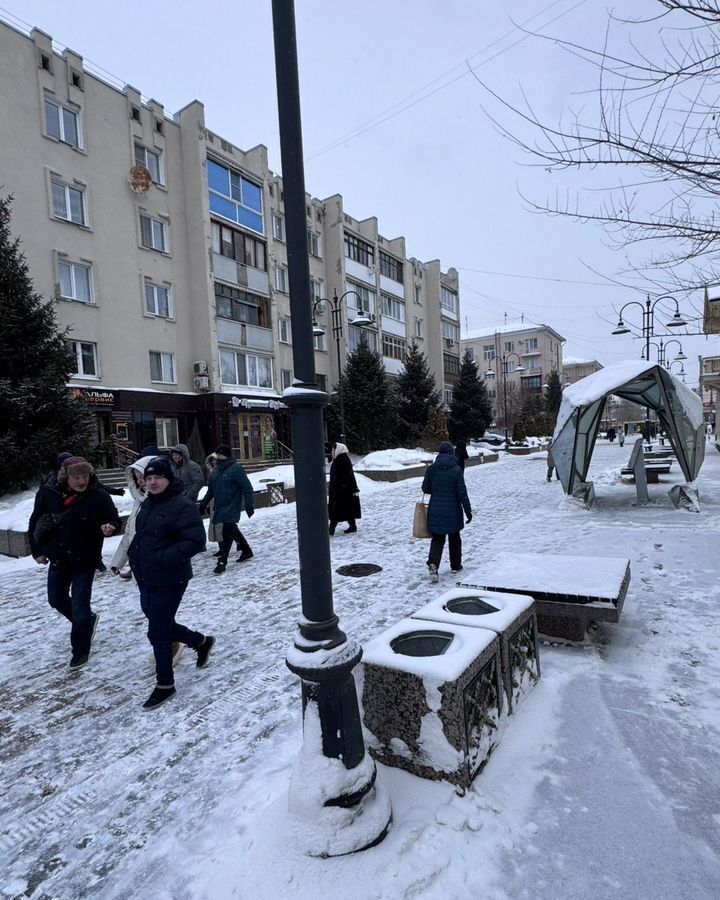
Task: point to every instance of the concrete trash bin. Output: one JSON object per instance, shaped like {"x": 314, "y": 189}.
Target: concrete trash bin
{"x": 432, "y": 699}
{"x": 511, "y": 616}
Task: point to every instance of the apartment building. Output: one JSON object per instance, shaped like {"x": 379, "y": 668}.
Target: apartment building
{"x": 709, "y": 386}
{"x": 163, "y": 247}
{"x": 514, "y": 359}
{"x": 573, "y": 369}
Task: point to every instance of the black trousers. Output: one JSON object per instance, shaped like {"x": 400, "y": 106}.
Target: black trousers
{"x": 437, "y": 544}
{"x": 230, "y": 533}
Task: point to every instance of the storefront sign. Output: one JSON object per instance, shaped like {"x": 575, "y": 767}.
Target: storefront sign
{"x": 95, "y": 397}
{"x": 244, "y": 403}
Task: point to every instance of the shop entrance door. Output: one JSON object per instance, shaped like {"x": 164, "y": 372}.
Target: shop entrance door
{"x": 251, "y": 437}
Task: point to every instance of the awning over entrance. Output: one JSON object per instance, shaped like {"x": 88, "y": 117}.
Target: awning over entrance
{"x": 678, "y": 409}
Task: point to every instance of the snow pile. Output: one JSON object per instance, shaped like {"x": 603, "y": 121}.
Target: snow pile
{"x": 399, "y": 458}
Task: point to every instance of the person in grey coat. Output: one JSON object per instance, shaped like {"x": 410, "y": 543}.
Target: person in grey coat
{"x": 445, "y": 483}
{"x": 186, "y": 471}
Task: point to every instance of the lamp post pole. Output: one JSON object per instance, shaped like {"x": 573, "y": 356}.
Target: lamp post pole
{"x": 504, "y": 362}
{"x": 335, "y": 805}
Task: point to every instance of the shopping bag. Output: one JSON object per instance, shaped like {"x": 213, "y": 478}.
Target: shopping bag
{"x": 420, "y": 526}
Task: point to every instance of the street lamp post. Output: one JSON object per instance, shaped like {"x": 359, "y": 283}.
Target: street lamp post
{"x": 337, "y": 332}
{"x": 335, "y": 805}
{"x": 648, "y": 319}
{"x": 504, "y": 362}
{"x": 661, "y": 350}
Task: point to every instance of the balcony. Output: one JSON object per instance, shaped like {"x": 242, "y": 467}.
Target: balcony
{"x": 242, "y": 334}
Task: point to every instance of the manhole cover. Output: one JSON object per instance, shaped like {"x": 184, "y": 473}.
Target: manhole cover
{"x": 359, "y": 570}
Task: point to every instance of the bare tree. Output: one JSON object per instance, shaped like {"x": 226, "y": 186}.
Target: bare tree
{"x": 656, "y": 117}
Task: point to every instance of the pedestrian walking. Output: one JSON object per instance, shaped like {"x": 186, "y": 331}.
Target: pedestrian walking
{"x": 135, "y": 479}
{"x": 551, "y": 463}
{"x": 70, "y": 518}
{"x": 230, "y": 492}
{"x": 445, "y": 483}
{"x": 461, "y": 454}
{"x": 611, "y": 433}
{"x": 343, "y": 491}
{"x": 187, "y": 471}
{"x": 168, "y": 533}
{"x": 621, "y": 436}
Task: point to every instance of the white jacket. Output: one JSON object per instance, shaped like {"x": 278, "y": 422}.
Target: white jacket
{"x": 138, "y": 495}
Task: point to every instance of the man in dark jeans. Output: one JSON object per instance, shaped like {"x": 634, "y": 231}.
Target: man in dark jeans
{"x": 70, "y": 518}
{"x": 168, "y": 532}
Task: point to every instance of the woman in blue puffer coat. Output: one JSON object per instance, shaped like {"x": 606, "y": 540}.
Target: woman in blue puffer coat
{"x": 445, "y": 483}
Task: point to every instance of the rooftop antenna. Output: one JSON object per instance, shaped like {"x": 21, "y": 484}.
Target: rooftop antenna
{"x": 505, "y": 314}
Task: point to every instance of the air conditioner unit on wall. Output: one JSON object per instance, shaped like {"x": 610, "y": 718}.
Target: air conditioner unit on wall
{"x": 201, "y": 383}
{"x": 200, "y": 367}
{"x": 449, "y": 342}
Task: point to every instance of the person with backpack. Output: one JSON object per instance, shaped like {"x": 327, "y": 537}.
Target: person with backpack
{"x": 168, "y": 533}
{"x": 71, "y": 517}
{"x": 445, "y": 483}
{"x": 230, "y": 491}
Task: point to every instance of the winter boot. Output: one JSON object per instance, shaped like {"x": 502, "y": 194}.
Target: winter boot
{"x": 456, "y": 570}
{"x": 158, "y": 696}
{"x": 332, "y": 530}
{"x": 433, "y": 570}
{"x": 245, "y": 556}
{"x": 220, "y": 567}
{"x": 204, "y": 651}
{"x": 351, "y": 530}
{"x": 78, "y": 660}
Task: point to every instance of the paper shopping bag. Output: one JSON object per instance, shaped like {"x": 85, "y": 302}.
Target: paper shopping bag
{"x": 420, "y": 527}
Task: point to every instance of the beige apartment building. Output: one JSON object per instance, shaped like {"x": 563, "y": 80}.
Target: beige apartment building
{"x": 514, "y": 359}
{"x": 163, "y": 247}
{"x": 573, "y": 369}
{"x": 709, "y": 387}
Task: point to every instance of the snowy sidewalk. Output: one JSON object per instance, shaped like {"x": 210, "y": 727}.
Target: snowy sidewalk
{"x": 606, "y": 784}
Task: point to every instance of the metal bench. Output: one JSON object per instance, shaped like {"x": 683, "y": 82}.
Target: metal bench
{"x": 652, "y": 471}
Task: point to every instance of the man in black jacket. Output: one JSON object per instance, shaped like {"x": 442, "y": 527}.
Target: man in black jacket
{"x": 169, "y": 531}
{"x": 70, "y": 518}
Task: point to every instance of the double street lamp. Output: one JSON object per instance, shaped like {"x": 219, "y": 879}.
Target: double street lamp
{"x": 662, "y": 357}
{"x": 504, "y": 359}
{"x": 648, "y": 319}
{"x": 361, "y": 320}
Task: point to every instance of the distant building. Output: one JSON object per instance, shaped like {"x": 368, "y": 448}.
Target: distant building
{"x": 501, "y": 349}
{"x": 709, "y": 386}
{"x": 574, "y": 369}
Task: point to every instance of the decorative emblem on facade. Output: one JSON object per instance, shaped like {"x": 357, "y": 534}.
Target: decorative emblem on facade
{"x": 140, "y": 180}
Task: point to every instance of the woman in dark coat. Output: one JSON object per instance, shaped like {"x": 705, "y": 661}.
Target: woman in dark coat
{"x": 343, "y": 493}
{"x": 445, "y": 483}
{"x": 461, "y": 454}
{"x": 230, "y": 491}
{"x": 168, "y": 533}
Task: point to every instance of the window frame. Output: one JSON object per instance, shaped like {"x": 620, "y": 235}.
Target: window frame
{"x": 225, "y": 195}
{"x": 314, "y": 244}
{"x": 56, "y": 181}
{"x": 77, "y": 352}
{"x": 250, "y": 362}
{"x": 320, "y": 342}
{"x": 163, "y": 356}
{"x": 61, "y": 137}
{"x": 397, "y": 346}
{"x": 387, "y": 302}
{"x": 448, "y": 299}
{"x": 164, "y": 224}
{"x": 72, "y": 267}
{"x": 281, "y": 279}
{"x": 244, "y": 249}
{"x": 359, "y": 250}
{"x": 355, "y": 289}
{"x": 156, "y": 286}
{"x": 160, "y": 180}
{"x": 284, "y": 330}
{"x": 391, "y": 267}
{"x": 284, "y": 379}
{"x": 278, "y": 227}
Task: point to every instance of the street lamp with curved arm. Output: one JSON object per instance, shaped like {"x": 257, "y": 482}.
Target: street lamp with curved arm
{"x": 362, "y": 320}
{"x": 661, "y": 350}
{"x": 648, "y": 319}
{"x": 519, "y": 368}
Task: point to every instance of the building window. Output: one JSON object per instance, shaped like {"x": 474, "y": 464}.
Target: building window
{"x": 451, "y": 364}
{"x": 471, "y": 352}
{"x": 450, "y": 331}
{"x": 488, "y": 351}
{"x": 390, "y": 267}
{"x": 151, "y": 160}
{"x": 534, "y": 383}
{"x": 319, "y": 342}
{"x": 531, "y": 344}
{"x": 278, "y": 226}
{"x": 533, "y": 364}
{"x": 281, "y": 279}
{"x": 314, "y": 243}
{"x": 418, "y": 295}
{"x": 393, "y": 347}
{"x": 448, "y": 299}
{"x": 419, "y": 328}
{"x": 238, "y": 246}
{"x": 357, "y": 335}
{"x": 392, "y": 308}
{"x": 318, "y": 290}
{"x": 243, "y": 369}
{"x": 68, "y": 203}
{"x": 62, "y": 123}
{"x": 85, "y": 356}
{"x": 153, "y": 233}
{"x": 241, "y": 306}
{"x": 322, "y": 382}
{"x": 285, "y": 379}
{"x": 75, "y": 282}
{"x": 162, "y": 367}
{"x": 360, "y": 298}
{"x": 448, "y": 394}
{"x": 166, "y": 432}
{"x": 235, "y": 198}
{"x": 509, "y": 346}
{"x": 157, "y": 300}
{"x": 284, "y": 333}
{"x": 359, "y": 250}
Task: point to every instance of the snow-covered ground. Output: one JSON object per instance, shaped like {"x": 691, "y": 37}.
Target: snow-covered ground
{"x": 606, "y": 783}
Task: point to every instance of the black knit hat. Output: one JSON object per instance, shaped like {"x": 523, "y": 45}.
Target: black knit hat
{"x": 224, "y": 450}
{"x": 159, "y": 466}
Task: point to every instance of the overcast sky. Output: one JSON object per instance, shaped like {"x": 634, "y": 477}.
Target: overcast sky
{"x": 432, "y": 167}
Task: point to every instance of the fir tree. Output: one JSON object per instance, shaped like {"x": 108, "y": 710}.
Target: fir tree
{"x": 370, "y": 407}
{"x": 417, "y": 396}
{"x": 553, "y": 396}
{"x": 38, "y": 415}
{"x": 534, "y": 419}
{"x": 436, "y": 430}
{"x": 470, "y": 410}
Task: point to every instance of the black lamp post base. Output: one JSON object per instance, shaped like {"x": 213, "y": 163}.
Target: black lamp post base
{"x": 335, "y": 803}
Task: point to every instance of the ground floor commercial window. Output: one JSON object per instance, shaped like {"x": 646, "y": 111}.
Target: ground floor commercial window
{"x": 166, "y": 432}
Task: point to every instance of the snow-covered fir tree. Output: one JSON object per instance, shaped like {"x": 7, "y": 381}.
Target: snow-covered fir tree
{"x": 417, "y": 394}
